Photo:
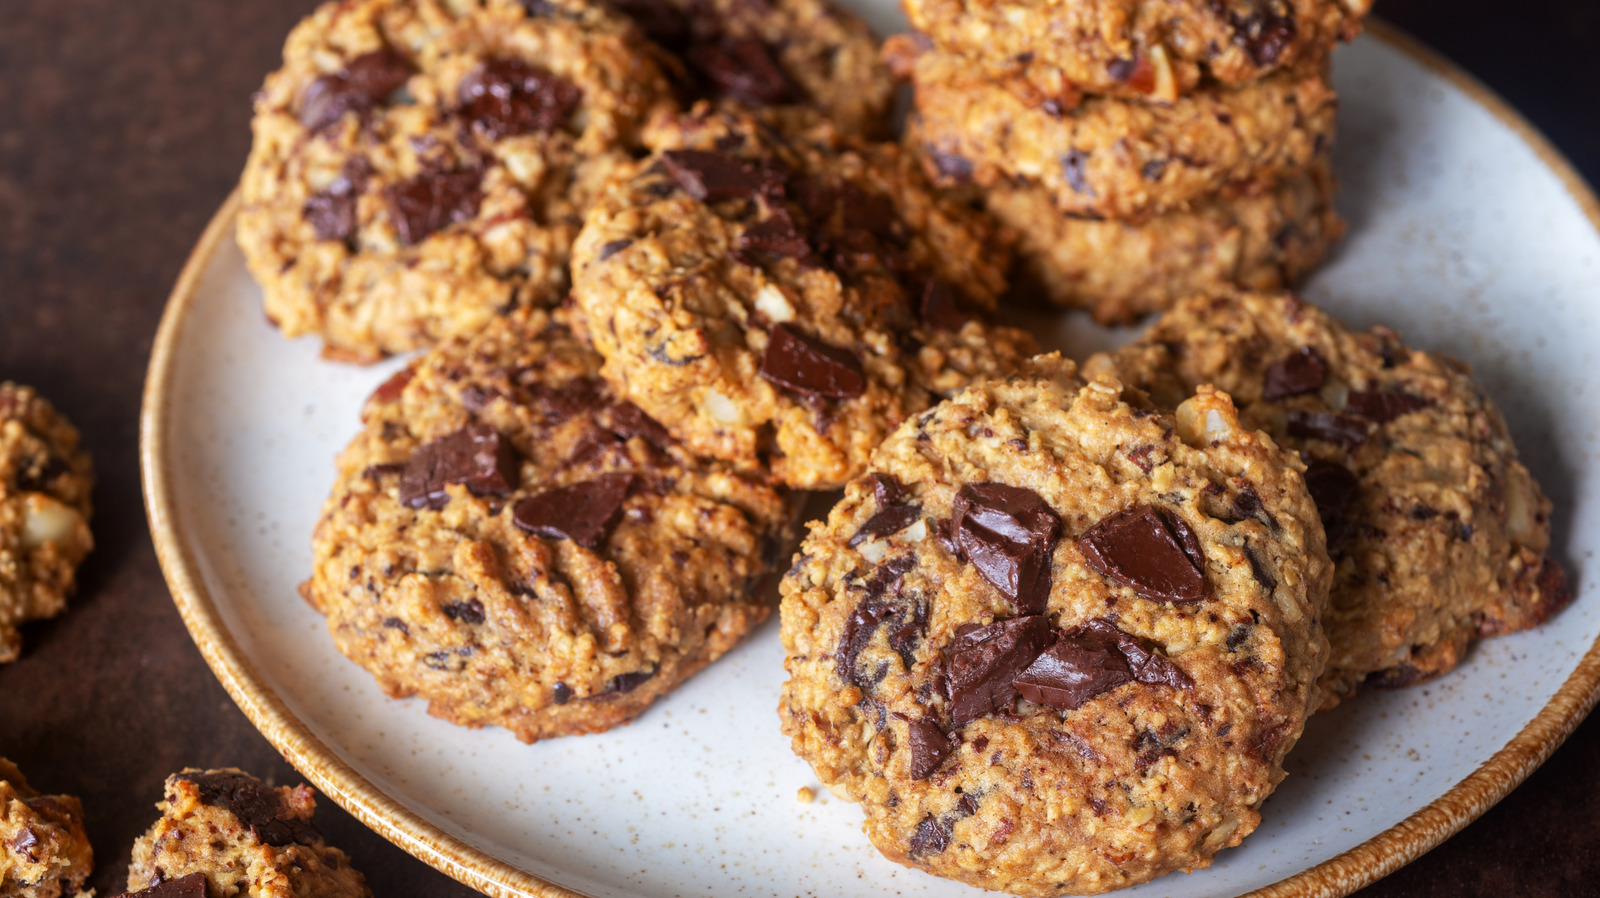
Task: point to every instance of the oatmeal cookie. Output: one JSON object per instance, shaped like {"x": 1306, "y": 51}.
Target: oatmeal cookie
{"x": 1055, "y": 641}
{"x": 773, "y": 52}
{"x": 422, "y": 165}
{"x": 45, "y": 481}
{"x": 1437, "y": 531}
{"x": 225, "y": 834}
{"x": 1114, "y": 158}
{"x": 44, "y": 852}
{"x": 522, "y": 548}
{"x": 1264, "y": 237}
{"x": 1134, "y": 49}
{"x": 777, "y": 295}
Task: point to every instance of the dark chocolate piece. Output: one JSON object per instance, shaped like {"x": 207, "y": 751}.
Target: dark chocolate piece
{"x": 929, "y": 746}
{"x": 470, "y": 611}
{"x": 885, "y": 488}
{"x": 776, "y": 235}
{"x": 1074, "y": 165}
{"x": 1148, "y": 667}
{"x": 191, "y": 886}
{"x": 810, "y": 367}
{"x": 432, "y": 201}
{"x": 888, "y": 519}
{"x": 629, "y": 420}
{"x": 256, "y": 804}
{"x": 1078, "y": 667}
{"x": 1263, "y": 36}
{"x": 1295, "y": 373}
{"x": 950, "y": 166}
{"x": 623, "y": 683}
{"x": 476, "y": 456}
{"x": 939, "y": 309}
{"x": 1382, "y": 406}
{"x": 582, "y": 512}
{"x": 332, "y": 212}
{"x": 660, "y": 21}
{"x": 713, "y": 177}
{"x": 742, "y": 69}
{"x": 508, "y": 97}
{"x": 982, "y": 662}
{"x": 364, "y": 83}
{"x": 1346, "y": 430}
{"x": 1009, "y": 534}
{"x": 870, "y": 614}
{"x": 607, "y": 250}
{"x": 1150, "y": 550}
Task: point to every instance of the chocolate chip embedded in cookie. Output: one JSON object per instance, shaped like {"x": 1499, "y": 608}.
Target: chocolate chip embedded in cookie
{"x": 1155, "y": 50}
{"x": 45, "y": 481}
{"x": 230, "y": 831}
{"x": 514, "y": 542}
{"x": 44, "y": 852}
{"x": 420, "y": 166}
{"x": 1261, "y": 237}
{"x": 1118, "y": 159}
{"x": 1056, "y": 641}
{"x": 1438, "y": 531}
{"x": 775, "y": 294}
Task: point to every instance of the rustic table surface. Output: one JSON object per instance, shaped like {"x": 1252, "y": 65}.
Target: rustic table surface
{"x": 124, "y": 124}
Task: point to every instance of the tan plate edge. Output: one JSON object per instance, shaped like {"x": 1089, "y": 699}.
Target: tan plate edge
{"x": 1338, "y": 876}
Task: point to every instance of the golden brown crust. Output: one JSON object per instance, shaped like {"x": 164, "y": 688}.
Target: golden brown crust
{"x": 1441, "y": 535}
{"x": 44, "y": 852}
{"x": 684, "y": 309}
{"x": 498, "y": 624}
{"x": 1139, "y": 780}
{"x": 45, "y": 481}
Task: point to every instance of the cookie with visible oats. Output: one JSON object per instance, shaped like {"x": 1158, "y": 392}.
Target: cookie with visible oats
{"x": 1055, "y": 641}
{"x": 1118, "y": 159}
{"x": 1438, "y": 531}
{"x": 1152, "y": 50}
{"x": 420, "y": 166}
{"x": 518, "y": 545}
{"x": 782, "y": 297}
{"x": 44, "y": 852}
{"x": 1262, "y": 237}
{"x": 45, "y": 479}
{"x": 226, "y": 833}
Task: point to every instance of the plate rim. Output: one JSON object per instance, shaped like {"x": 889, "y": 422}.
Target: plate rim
{"x": 1340, "y": 875}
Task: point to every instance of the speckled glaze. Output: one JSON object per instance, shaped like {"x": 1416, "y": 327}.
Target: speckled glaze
{"x": 1467, "y": 233}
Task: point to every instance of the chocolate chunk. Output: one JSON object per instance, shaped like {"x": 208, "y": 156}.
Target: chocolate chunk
{"x": 869, "y": 614}
{"x": 1122, "y": 69}
{"x": 1296, "y": 373}
{"x": 395, "y": 623}
{"x": 1154, "y": 169}
{"x": 191, "y": 886}
{"x": 660, "y": 21}
{"x": 470, "y": 611}
{"x": 1397, "y": 677}
{"x": 982, "y": 662}
{"x": 887, "y": 520}
{"x": 365, "y": 82}
{"x": 1009, "y": 534}
{"x": 885, "y": 488}
{"x": 929, "y": 746}
{"x": 1333, "y": 427}
{"x": 557, "y": 404}
{"x": 1078, "y": 667}
{"x": 1150, "y": 550}
{"x": 622, "y": 683}
{"x": 561, "y": 693}
{"x": 810, "y": 367}
{"x": 1331, "y": 485}
{"x": 1074, "y": 164}
{"x": 508, "y": 97}
{"x": 476, "y": 456}
{"x": 607, "y": 250}
{"x": 776, "y": 235}
{"x": 629, "y": 421}
{"x": 950, "y": 166}
{"x": 1259, "y": 571}
{"x": 1148, "y": 667}
{"x": 24, "y": 843}
{"x": 582, "y": 512}
{"x": 940, "y": 310}
{"x": 1264, "y": 36}
{"x": 1141, "y": 457}
{"x": 332, "y": 212}
{"x": 433, "y": 200}
{"x": 742, "y": 69}
{"x": 256, "y": 804}
{"x": 1382, "y": 406}
{"x": 714, "y": 177}
{"x": 932, "y": 836}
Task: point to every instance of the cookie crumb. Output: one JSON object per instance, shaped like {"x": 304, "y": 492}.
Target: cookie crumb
{"x": 805, "y": 795}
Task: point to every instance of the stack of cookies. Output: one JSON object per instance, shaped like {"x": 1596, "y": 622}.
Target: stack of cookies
{"x": 1143, "y": 150}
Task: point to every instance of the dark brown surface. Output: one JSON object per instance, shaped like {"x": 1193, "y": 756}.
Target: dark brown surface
{"x": 124, "y": 124}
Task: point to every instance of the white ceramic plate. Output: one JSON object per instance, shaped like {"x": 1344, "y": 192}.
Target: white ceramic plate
{"x": 1467, "y": 233}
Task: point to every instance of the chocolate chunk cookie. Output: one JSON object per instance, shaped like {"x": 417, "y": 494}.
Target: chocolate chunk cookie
{"x": 1261, "y": 237}
{"x": 422, "y": 165}
{"x": 45, "y": 481}
{"x": 1117, "y": 159}
{"x": 1437, "y": 531}
{"x": 44, "y": 852}
{"x": 773, "y": 52}
{"x": 226, "y": 833}
{"x": 521, "y": 547}
{"x": 1055, "y": 641}
{"x": 1134, "y": 49}
{"x": 775, "y": 294}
